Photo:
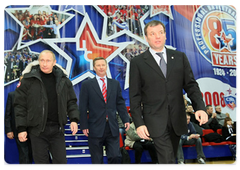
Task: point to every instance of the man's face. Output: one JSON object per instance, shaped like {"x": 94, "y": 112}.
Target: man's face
{"x": 210, "y": 110}
{"x": 189, "y": 108}
{"x": 156, "y": 37}
{"x": 218, "y": 108}
{"x": 100, "y": 68}
{"x": 46, "y": 62}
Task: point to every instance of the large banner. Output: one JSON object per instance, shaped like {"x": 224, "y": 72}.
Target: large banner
{"x": 79, "y": 33}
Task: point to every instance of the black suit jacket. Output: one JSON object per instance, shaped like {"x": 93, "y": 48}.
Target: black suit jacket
{"x": 159, "y": 95}
{"x": 92, "y": 101}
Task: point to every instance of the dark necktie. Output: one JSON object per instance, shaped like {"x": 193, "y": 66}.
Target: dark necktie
{"x": 162, "y": 63}
{"x": 104, "y": 90}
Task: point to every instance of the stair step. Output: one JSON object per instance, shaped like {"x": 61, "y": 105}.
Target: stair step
{"x": 78, "y": 134}
{"x": 79, "y": 156}
{"x": 82, "y": 156}
{"x": 76, "y": 146}
{"x": 79, "y": 160}
{"x": 80, "y": 147}
{"x": 75, "y": 137}
{"x": 76, "y": 142}
{"x": 77, "y": 150}
{"x": 82, "y": 160}
{"x": 68, "y": 131}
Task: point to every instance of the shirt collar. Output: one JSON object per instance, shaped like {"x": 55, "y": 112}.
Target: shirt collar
{"x": 98, "y": 77}
{"x": 153, "y": 52}
{"x": 156, "y": 57}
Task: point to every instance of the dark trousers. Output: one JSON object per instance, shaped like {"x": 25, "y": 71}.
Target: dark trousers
{"x": 24, "y": 150}
{"x": 52, "y": 141}
{"x": 112, "y": 147}
{"x": 139, "y": 147}
{"x": 232, "y": 139}
{"x": 167, "y": 145}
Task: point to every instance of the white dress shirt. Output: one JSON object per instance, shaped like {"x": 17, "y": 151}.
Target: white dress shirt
{"x": 100, "y": 82}
{"x": 156, "y": 57}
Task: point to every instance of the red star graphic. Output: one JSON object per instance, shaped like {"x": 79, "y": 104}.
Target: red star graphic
{"x": 226, "y": 40}
{"x": 161, "y": 8}
{"x": 97, "y": 50}
{"x": 229, "y": 91}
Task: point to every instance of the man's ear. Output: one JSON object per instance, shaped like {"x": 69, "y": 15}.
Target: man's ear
{"x": 54, "y": 63}
{"x": 146, "y": 38}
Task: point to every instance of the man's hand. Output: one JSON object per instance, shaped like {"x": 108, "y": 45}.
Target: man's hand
{"x": 192, "y": 136}
{"x": 127, "y": 126}
{"x": 74, "y": 127}
{"x": 22, "y": 136}
{"x": 86, "y": 132}
{"x": 10, "y": 135}
{"x": 201, "y": 116}
{"x": 143, "y": 132}
{"x": 214, "y": 115}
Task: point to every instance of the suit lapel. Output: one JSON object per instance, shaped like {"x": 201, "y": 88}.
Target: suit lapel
{"x": 96, "y": 87}
{"x": 109, "y": 87}
{"x": 152, "y": 63}
{"x": 170, "y": 60}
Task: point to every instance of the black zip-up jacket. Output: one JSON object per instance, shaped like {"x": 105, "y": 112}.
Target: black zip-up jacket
{"x": 31, "y": 102}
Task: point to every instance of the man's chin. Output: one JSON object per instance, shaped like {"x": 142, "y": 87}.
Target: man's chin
{"x": 46, "y": 71}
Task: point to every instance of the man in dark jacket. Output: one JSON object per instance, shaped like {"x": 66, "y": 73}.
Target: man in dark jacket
{"x": 212, "y": 120}
{"x": 157, "y": 79}
{"x": 24, "y": 148}
{"x": 42, "y": 102}
{"x": 190, "y": 138}
{"x": 100, "y": 99}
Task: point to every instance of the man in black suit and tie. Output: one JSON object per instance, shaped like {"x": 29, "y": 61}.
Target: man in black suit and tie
{"x": 157, "y": 79}
{"x": 100, "y": 99}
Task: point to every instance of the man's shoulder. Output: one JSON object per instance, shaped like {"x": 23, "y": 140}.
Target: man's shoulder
{"x": 141, "y": 57}
{"x": 30, "y": 67}
{"x": 112, "y": 81}
{"x": 190, "y": 123}
{"x": 174, "y": 51}
{"x": 88, "y": 81}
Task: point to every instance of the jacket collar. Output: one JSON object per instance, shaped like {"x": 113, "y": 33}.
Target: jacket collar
{"x": 97, "y": 88}
{"x": 152, "y": 63}
{"x": 35, "y": 64}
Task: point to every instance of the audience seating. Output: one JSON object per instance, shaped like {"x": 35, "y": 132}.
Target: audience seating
{"x": 121, "y": 140}
{"x": 219, "y": 131}
{"x": 210, "y": 149}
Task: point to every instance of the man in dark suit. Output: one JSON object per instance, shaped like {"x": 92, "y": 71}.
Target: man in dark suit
{"x": 24, "y": 148}
{"x": 156, "y": 93}
{"x": 100, "y": 99}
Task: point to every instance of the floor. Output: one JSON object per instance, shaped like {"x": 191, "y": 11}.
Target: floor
{"x": 224, "y": 160}
{"x": 213, "y": 161}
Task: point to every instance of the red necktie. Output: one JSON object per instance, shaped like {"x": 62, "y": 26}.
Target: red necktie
{"x": 104, "y": 90}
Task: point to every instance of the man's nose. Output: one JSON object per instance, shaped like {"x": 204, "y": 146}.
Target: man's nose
{"x": 158, "y": 35}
